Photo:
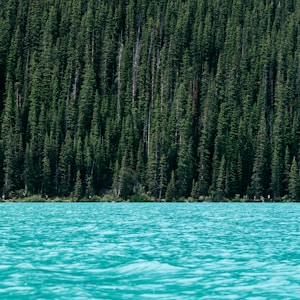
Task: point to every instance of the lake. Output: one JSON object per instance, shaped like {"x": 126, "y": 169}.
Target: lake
{"x": 149, "y": 251}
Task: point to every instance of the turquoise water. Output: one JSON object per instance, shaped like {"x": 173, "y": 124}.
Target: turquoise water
{"x": 149, "y": 251}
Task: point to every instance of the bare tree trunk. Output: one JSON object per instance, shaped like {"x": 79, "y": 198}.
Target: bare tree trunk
{"x": 136, "y": 60}
{"x": 119, "y": 81}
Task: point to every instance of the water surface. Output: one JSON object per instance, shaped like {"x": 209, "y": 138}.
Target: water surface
{"x": 149, "y": 251}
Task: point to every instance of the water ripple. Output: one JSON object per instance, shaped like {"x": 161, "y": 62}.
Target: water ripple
{"x": 146, "y": 251}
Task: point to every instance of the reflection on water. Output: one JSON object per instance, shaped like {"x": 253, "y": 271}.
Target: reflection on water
{"x": 149, "y": 250}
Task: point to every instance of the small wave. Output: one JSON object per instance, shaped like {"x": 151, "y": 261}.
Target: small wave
{"x": 25, "y": 266}
{"x": 142, "y": 266}
{"x": 4, "y": 267}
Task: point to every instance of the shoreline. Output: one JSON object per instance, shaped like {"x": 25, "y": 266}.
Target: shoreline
{"x": 111, "y": 199}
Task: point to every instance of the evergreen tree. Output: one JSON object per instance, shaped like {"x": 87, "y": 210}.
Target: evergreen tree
{"x": 47, "y": 183}
{"x": 221, "y": 185}
{"x": 294, "y": 181}
{"x": 124, "y": 181}
{"x": 86, "y": 98}
{"x": 12, "y": 145}
{"x": 66, "y": 166}
{"x": 78, "y": 188}
{"x": 171, "y": 192}
{"x": 259, "y": 181}
{"x": 162, "y": 176}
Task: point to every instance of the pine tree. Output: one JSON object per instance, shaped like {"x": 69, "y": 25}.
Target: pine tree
{"x": 66, "y": 166}
{"x": 78, "y": 188}
{"x": 12, "y": 145}
{"x": 124, "y": 181}
{"x": 162, "y": 176}
{"x": 171, "y": 192}
{"x": 152, "y": 173}
{"x": 46, "y": 170}
{"x": 294, "y": 181}
{"x": 208, "y": 128}
{"x": 260, "y": 168}
{"x": 221, "y": 185}
{"x": 86, "y": 98}
{"x": 280, "y": 129}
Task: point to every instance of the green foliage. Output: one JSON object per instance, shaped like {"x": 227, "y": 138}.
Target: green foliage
{"x": 261, "y": 157}
{"x": 124, "y": 180}
{"x": 171, "y": 193}
{"x": 168, "y": 99}
{"x": 78, "y": 188}
{"x": 294, "y": 181}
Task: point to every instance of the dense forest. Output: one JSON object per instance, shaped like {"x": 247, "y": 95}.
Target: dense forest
{"x": 168, "y": 99}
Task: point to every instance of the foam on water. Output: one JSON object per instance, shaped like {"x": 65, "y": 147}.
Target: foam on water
{"x": 150, "y": 250}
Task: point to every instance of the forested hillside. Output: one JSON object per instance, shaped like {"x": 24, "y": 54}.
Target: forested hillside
{"x": 165, "y": 98}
